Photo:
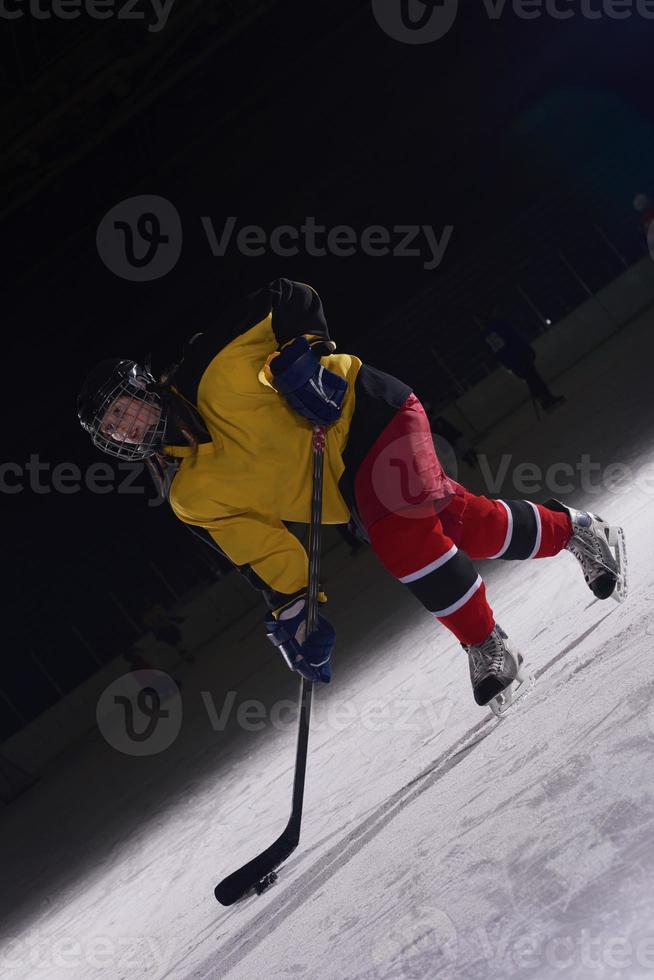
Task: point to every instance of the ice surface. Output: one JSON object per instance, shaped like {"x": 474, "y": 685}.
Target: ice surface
{"x": 437, "y": 841}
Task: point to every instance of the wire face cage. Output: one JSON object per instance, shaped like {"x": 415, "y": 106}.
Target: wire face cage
{"x": 126, "y": 390}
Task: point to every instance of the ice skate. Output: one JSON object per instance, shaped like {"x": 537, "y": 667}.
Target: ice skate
{"x": 556, "y": 401}
{"x": 496, "y": 672}
{"x": 600, "y": 549}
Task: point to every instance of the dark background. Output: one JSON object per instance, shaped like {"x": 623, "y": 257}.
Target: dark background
{"x": 529, "y": 137}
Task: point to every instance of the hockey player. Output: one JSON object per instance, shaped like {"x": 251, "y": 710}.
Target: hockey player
{"x": 231, "y": 424}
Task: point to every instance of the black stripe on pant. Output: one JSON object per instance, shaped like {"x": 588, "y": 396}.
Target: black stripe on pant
{"x": 525, "y": 531}
{"x": 445, "y": 586}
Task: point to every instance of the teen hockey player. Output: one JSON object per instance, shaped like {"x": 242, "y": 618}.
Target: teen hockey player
{"x": 231, "y": 424}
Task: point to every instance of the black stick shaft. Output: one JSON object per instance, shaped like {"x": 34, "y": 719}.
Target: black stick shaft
{"x": 306, "y": 688}
{"x": 240, "y": 882}
{"x": 315, "y": 528}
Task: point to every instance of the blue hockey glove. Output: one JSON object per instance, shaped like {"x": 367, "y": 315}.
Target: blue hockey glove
{"x": 310, "y": 655}
{"x": 311, "y": 389}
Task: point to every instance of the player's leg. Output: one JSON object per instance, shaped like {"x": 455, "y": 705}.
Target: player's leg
{"x": 539, "y": 390}
{"x": 398, "y": 488}
{"x": 507, "y": 529}
{"x": 519, "y": 529}
{"x": 417, "y": 552}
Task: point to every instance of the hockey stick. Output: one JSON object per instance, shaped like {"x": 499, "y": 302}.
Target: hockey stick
{"x": 259, "y": 873}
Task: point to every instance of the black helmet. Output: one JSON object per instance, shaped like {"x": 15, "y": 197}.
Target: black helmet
{"x": 108, "y": 381}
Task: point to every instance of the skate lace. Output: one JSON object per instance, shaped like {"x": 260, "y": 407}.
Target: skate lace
{"x": 488, "y": 656}
{"x": 586, "y": 548}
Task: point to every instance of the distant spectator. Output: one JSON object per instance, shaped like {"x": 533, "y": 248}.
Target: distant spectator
{"x": 448, "y": 433}
{"x": 222, "y": 566}
{"x": 346, "y": 531}
{"x": 645, "y": 208}
{"x": 164, "y": 627}
{"x": 518, "y": 356}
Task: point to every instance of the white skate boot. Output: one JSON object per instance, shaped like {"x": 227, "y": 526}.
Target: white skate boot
{"x": 600, "y": 550}
{"x": 496, "y": 672}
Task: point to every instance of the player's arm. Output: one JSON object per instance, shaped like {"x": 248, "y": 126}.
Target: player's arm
{"x": 295, "y": 369}
{"x": 297, "y": 311}
{"x": 273, "y": 560}
{"x": 260, "y": 547}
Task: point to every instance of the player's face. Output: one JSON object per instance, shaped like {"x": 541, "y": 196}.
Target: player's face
{"x": 128, "y": 419}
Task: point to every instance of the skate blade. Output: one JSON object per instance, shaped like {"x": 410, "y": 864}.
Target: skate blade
{"x": 618, "y": 546}
{"x": 523, "y": 684}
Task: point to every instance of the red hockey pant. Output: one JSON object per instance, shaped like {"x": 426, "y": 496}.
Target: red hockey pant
{"x": 425, "y": 528}
{"x": 432, "y": 555}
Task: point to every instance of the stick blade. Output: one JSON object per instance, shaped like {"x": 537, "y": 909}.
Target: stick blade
{"x": 245, "y": 879}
